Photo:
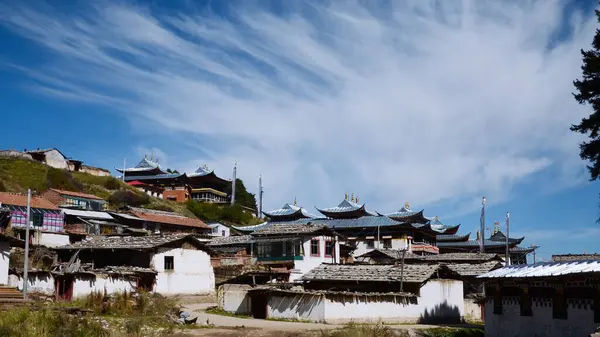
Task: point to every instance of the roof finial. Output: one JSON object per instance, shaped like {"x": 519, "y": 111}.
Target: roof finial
{"x": 357, "y": 199}
{"x": 346, "y": 196}
{"x": 407, "y": 205}
{"x": 352, "y": 197}
{"x": 496, "y": 227}
{"x": 436, "y": 218}
{"x": 295, "y": 203}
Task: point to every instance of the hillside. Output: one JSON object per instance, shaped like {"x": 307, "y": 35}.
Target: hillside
{"x": 17, "y": 175}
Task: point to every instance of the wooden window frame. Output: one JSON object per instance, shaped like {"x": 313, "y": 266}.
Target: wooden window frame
{"x": 332, "y": 248}
{"x": 318, "y": 241}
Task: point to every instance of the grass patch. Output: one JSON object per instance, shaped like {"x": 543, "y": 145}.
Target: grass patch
{"x": 359, "y": 330}
{"x": 218, "y": 311}
{"x": 48, "y": 323}
{"x": 446, "y": 332}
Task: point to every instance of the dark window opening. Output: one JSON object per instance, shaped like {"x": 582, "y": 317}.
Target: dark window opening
{"x": 314, "y": 248}
{"x": 370, "y": 244}
{"x": 559, "y": 305}
{"x": 387, "y": 243}
{"x": 169, "y": 263}
{"x": 329, "y": 249}
{"x": 37, "y": 219}
{"x": 526, "y": 303}
{"x": 497, "y": 302}
{"x": 597, "y": 307}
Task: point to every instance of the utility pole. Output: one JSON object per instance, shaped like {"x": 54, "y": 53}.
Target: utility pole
{"x": 233, "y": 184}
{"x": 260, "y": 195}
{"x": 26, "y": 266}
{"x": 534, "y": 248}
{"x": 482, "y": 229}
{"x": 507, "y": 256}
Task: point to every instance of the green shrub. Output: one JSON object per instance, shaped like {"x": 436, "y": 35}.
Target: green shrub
{"x": 129, "y": 198}
{"x": 47, "y": 323}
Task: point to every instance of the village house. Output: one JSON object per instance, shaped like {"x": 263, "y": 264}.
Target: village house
{"x": 158, "y": 222}
{"x": 54, "y": 158}
{"x": 167, "y": 264}
{"x": 359, "y": 293}
{"x": 46, "y": 223}
{"x": 219, "y": 229}
{"x": 6, "y": 243}
{"x": 556, "y": 299}
{"x": 75, "y": 200}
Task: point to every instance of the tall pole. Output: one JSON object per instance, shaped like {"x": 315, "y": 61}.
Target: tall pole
{"x": 507, "y": 256}
{"x": 124, "y": 168}
{"x": 260, "y": 193}
{"x": 378, "y": 244}
{"x": 482, "y": 230}
{"x": 233, "y": 184}
{"x": 26, "y": 266}
{"x": 534, "y": 248}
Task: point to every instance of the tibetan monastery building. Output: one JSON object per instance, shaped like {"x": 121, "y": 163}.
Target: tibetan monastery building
{"x": 202, "y": 185}
{"x": 363, "y": 230}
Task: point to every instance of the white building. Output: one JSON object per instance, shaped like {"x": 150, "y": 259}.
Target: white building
{"x": 219, "y": 229}
{"x": 359, "y": 293}
{"x": 168, "y": 264}
{"x": 543, "y": 299}
{"x": 6, "y": 242}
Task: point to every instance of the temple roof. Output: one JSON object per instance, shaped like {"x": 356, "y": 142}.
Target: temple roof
{"x": 203, "y": 174}
{"x": 470, "y": 244}
{"x": 345, "y": 209}
{"x": 145, "y": 165}
{"x": 500, "y": 237}
{"x": 405, "y": 213}
{"x": 289, "y": 211}
{"x": 452, "y": 237}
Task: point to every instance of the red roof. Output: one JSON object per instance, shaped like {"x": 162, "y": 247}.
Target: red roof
{"x": 77, "y": 194}
{"x": 172, "y": 219}
{"x": 136, "y": 183}
{"x": 15, "y": 199}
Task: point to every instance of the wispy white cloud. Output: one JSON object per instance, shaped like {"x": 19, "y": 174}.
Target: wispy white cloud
{"x": 419, "y": 101}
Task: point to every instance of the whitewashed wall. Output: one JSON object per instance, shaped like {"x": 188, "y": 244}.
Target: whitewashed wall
{"x": 38, "y": 282}
{"x": 473, "y": 310}
{"x": 299, "y": 307}
{"x": 4, "y": 261}
{"x": 193, "y": 272}
{"x": 51, "y": 239}
{"x": 84, "y": 286}
{"x": 362, "y": 246}
{"x": 217, "y": 230}
{"x": 234, "y": 298}
{"x": 309, "y": 262}
{"x": 439, "y": 299}
{"x": 56, "y": 160}
{"x": 579, "y": 322}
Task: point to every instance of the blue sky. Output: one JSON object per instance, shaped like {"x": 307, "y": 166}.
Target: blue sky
{"x": 435, "y": 103}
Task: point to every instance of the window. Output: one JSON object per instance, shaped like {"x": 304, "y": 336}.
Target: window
{"x": 387, "y": 243}
{"x": 526, "y": 303}
{"x": 329, "y": 249}
{"x": 215, "y": 230}
{"x": 169, "y": 263}
{"x": 497, "y": 301}
{"x": 370, "y": 244}
{"x": 559, "y": 305}
{"x": 314, "y": 248}
{"x": 298, "y": 248}
{"x": 37, "y": 219}
{"x": 223, "y": 233}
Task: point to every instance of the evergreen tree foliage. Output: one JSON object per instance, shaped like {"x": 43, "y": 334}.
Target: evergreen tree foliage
{"x": 588, "y": 92}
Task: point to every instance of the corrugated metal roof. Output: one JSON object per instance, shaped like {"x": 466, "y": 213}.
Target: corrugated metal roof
{"x": 344, "y": 206}
{"x": 87, "y": 214}
{"x": 545, "y": 269}
{"x": 288, "y": 209}
{"x": 128, "y": 216}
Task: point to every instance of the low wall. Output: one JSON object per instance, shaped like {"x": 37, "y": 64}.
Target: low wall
{"x": 39, "y": 282}
{"x": 234, "y": 298}
{"x": 440, "y": 301}
{"x": 83, "y": 286}
{"x": 51, "y": 239}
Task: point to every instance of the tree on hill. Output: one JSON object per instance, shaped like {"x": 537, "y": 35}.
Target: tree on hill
{"x": 242, "y": 196}
{"x": 588, "y": 92}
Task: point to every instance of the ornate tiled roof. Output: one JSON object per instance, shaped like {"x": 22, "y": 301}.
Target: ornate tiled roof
{"x": 144, "y": 165}
{"x": 471, "y": 243}
{"x": 289, "y": 210}
{"x": 201, "y": 171}
{"x": 346, "y": 208}
{"x": 499, "y": 236}
{"x": 452, "y": 237}
{"x": 417, "y": 273}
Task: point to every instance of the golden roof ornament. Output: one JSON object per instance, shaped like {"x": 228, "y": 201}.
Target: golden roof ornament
{"x": 407, "y": 205}
{"x": 295, "y": 203}
{"x": 357, "y": 199}
{"x": 436, "y": 218}
{"x": 352, "y": 197}
{"x": 346, "y": 196}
